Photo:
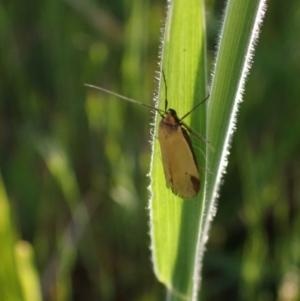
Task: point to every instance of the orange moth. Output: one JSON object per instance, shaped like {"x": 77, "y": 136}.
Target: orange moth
{"x": 178, "y": 158}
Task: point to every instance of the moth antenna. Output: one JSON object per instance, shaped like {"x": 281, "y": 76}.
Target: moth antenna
{"x": 166, "y": 98}
{"x": 195, "y": 107}
{"x": 160, "y": 112}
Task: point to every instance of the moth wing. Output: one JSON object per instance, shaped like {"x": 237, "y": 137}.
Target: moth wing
{"x": 179, "y": 162}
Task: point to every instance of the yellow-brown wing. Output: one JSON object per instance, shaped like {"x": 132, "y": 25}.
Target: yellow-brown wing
{"x": 178, "y": 159}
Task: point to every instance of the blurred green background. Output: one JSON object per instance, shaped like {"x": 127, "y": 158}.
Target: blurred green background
{"x": 74, "y": 162}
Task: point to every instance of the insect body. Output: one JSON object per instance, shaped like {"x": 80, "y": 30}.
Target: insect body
{"x": 178, "y": 157}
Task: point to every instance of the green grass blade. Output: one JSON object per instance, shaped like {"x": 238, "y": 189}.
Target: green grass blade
{"x": 175, "y": 222}
{"x": 18, "y": 275}
{"x": 179, "y": 228}
{"x": 9, "y": 279}
{"x": 28, "y": 275}
{"x": 239, "y": 34}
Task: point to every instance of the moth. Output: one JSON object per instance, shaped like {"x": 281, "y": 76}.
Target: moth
{"x": 178, "y": 157}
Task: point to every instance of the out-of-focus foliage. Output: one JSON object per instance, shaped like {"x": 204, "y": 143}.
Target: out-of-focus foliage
{"x": 74, "y": 162}
{"x": 256, "y": 256}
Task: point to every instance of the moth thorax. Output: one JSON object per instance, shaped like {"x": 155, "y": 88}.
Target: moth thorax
{"x": 171, "y": 118}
